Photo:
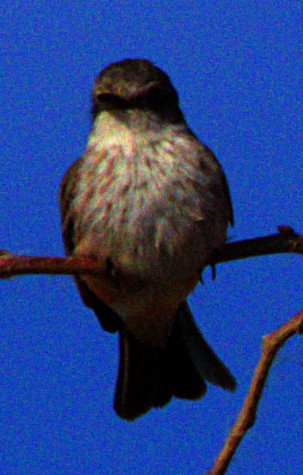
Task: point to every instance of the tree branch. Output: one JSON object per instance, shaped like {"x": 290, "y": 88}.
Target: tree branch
{"x": 12, "y": 264}
{"x": 247, "y": 416}
{"x": 286, "y": 241}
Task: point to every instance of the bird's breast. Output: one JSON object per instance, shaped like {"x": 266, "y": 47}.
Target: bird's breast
{"x": 144, "y": 202}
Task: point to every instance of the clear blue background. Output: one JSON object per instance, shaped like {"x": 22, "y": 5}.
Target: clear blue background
{"x": 238, "y": 68}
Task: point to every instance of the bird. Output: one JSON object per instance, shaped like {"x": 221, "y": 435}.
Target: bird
{"x": 151, "y": 203}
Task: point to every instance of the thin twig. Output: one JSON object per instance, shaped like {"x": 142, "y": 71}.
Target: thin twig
{"x": 247, "y": 416}
{"x": 286, "y": 241}
{"x": 12, "y": 264}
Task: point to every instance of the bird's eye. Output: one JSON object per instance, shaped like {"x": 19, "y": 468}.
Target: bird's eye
{"x": 155, "y": 95}
{"x": 111, "y": 101}
{"x": 159, "y": 98}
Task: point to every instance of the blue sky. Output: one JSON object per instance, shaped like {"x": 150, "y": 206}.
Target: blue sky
{"x": 238, "y": 68}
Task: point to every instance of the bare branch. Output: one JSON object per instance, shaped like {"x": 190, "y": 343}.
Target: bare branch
{"x": 12, "y": 264}
{"x": 247, "y": 416}
{"x": 287, "y": 241}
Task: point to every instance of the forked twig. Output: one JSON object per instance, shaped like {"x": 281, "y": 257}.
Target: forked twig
{"x": 246, "y": 418}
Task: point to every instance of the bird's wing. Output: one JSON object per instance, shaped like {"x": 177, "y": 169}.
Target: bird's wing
{"x": 108, "y": 319}
{"x": 225, "y": 187}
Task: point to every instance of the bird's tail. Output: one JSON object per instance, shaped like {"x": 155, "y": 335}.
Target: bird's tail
{"x": 149, "y": 376}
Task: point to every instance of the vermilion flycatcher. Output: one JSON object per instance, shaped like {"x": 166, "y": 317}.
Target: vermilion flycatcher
{"x": 149, "y": 200}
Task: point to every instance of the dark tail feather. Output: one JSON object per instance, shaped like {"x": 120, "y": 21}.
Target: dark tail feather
{"x": 149, "y": 377}
{"x": 204, "y": 359}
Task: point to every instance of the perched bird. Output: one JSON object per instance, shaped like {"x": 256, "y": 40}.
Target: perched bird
{"x": 151, "y": 202}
